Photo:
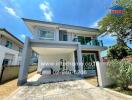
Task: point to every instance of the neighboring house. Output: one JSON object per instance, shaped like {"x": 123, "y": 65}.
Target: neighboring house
{"x": 10, "y": 48}
{"x": 58, "y": 44}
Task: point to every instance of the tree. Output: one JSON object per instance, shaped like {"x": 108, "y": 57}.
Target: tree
{"x": 121, "y": 26}
{"x": 117, "y": 52}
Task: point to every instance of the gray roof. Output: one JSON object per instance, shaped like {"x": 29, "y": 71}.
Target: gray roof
{"x": 63, "y": 25}
{"x": 3, "y": 29}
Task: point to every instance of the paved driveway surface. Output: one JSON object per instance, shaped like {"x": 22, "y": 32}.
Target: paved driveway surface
{"x": 68, "y": 90}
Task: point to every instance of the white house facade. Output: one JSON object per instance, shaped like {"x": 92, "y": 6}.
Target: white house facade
{"x": 62, "y": 49}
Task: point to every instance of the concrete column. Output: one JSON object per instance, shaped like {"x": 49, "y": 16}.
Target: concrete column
{"x": 79, "y": 57}
{"x": 23, "y": 72}
{"x": 69, "y": 37}
{"x": 57, "y": 35}
{"x": 100, "y": 59}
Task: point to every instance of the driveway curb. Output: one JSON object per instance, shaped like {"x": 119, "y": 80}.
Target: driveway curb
{"x": 118, "y": 93}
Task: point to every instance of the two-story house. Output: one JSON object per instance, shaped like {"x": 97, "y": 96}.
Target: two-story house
{"x": 62, "y": 47}
{"x": 11, "y": 50}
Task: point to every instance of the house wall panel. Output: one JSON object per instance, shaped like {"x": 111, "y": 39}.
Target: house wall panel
{"x": 45, "y": 61}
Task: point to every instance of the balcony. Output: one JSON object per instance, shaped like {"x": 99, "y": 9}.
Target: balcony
{"x": 93, "y": 42}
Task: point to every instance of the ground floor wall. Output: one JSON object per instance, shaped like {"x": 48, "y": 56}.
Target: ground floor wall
{"x": 55, "y": 61}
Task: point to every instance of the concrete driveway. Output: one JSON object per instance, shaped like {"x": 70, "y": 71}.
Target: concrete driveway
{"x": 77, "y": 89}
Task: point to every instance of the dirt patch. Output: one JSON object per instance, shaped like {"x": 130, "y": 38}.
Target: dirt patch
{"x": 92, "y": 80}
{"x": 9, "y": 87}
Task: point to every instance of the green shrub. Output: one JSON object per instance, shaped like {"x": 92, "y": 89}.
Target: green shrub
{"x": 129, "y": 51}
{"x": 117, "y": 52}
{"x": 120, "y": 72}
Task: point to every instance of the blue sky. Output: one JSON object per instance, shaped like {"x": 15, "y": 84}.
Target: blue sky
{"x": 75, "y": 12}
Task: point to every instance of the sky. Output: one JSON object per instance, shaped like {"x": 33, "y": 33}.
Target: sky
{"x": 85, "y": 13}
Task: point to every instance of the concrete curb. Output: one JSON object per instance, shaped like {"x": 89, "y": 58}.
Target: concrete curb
{"x": 118, "y": 93}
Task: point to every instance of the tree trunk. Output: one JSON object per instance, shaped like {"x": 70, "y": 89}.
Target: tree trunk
{"x": 125, "y": 86}
{"x": 120, "y": 41}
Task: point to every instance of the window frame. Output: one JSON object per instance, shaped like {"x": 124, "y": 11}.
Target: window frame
{"x": 63, "y": 35}
{"x": 40, "y": 30}
{"x": 10, "y": 44}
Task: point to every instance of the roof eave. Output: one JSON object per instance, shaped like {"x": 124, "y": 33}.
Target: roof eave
{"x": 63, "y": 25}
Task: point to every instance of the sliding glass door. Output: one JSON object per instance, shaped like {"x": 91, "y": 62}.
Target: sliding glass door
{"x": 89, "y": 61}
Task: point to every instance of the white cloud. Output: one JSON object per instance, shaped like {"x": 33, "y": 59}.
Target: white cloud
{"x": 95, "y": 24}
{"x": 11, "y": 11}
{"x": 45, "y": 7}
{"x": 23, "y": 36}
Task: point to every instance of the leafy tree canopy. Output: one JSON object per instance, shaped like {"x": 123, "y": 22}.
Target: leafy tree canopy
{"x": 120, "y": 26}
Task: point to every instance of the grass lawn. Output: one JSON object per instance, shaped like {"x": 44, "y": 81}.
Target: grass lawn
{"x": 10, "y": 86}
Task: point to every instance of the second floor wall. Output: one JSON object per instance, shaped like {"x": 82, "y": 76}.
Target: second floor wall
{"x": 7, "y": 42}
{"x": 51, "y": 31}
{"x": 57, "y": 34}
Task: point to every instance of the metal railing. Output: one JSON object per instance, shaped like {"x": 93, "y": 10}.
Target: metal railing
{"x": 93, "y": 42}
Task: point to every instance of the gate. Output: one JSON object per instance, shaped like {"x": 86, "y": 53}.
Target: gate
{"x": 89, "y": 64}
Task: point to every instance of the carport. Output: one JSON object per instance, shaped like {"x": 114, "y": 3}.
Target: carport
{"x": 49, "y": 51}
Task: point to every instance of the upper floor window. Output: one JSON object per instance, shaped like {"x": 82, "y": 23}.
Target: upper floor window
{"x": 20, "y": 50}
{"x": 62, "y": 35}
{"x": 46, "y": 34}
{"x": 8, "y": 44}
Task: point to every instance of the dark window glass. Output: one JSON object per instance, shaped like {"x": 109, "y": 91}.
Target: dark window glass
{"x": 62, "y": 35}
{"x": 20, "y": 50}
{"x": 5, "y": 62}
{"x": 87, "y": 39}
{"x": 84, "y": 40}
{"x": 81, "y": 39}
{"x": 8, "y": 44}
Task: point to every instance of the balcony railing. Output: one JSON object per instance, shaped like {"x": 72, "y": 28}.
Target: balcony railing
{"x": 95, "y": 43}
{"x": 91, "y": 43}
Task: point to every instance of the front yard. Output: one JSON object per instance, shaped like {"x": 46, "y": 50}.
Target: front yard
{"x": 9, "y": 87}
{"x": 78, "y": 89}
